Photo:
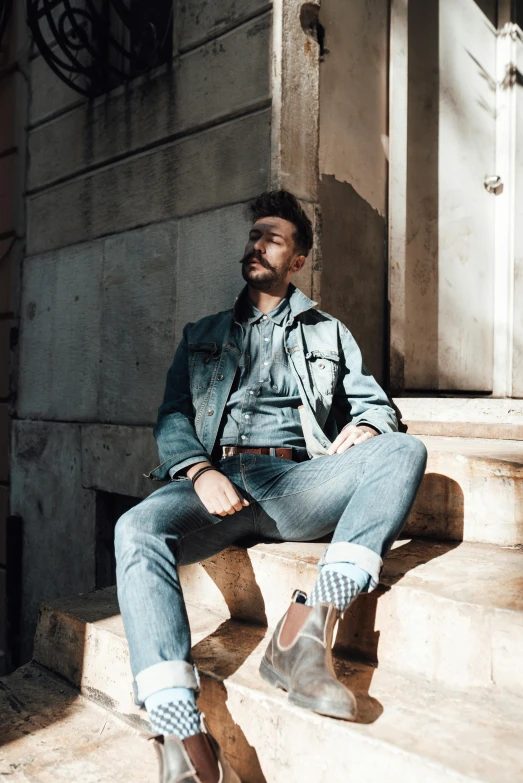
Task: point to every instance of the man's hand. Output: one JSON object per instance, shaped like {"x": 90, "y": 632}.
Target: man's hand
{"x": 350, "y": 436}
{"x": 217, "y": 493}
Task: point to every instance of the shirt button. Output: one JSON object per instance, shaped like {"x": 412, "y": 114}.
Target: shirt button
{"x": 264, "y": 318}
{"x": 265, "y": 364}
{"x": 266, "y": 339}
{"x": 210, "y": 412}
{"x": 251, "y": 392}
{"x": 243, "y": 437}
{"x": 247, "y": 416}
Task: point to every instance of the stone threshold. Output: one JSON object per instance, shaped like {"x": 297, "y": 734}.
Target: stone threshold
{"x": 463, "y": 417}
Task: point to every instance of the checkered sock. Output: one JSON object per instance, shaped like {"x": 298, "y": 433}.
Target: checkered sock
{"x": 174, "y": 711}
{"x": 334, "y": 587}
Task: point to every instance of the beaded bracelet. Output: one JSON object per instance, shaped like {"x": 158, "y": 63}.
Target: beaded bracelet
{"x": 202, "y": 471}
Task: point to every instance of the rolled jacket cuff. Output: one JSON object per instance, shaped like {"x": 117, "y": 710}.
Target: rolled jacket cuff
{"x": 362, "y": 556}
{"x": 175, "y": 471}
{"x": 166, "y": 674}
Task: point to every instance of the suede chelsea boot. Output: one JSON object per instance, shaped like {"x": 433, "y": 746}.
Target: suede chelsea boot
{"x": 299, "y": 660}
{"x": 197, "y": 759}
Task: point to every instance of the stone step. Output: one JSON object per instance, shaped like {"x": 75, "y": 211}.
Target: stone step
{"x": 452, "y": 614}
{"x": 408, "y": 730}
{"x": 463, "y": 417}
{"x": 49, "y": 733}
{"x": 472, "y": 491}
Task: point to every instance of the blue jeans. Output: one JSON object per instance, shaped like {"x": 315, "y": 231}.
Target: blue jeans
{"x": 364, "y": 495}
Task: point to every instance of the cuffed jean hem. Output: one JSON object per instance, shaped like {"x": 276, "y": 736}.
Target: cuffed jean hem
{"x": 166, "y": 674}
{"x": 362, "y": 556}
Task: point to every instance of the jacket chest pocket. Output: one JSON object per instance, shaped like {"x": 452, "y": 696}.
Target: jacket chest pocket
{"x": 203, "y": 358}
{"x": 323, "y": 368}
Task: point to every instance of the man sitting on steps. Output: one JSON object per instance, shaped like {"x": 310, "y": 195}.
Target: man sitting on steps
{"x": 268, "y": 427}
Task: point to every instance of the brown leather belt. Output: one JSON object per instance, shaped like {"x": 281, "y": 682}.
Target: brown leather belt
{"x": 283, "y": 452}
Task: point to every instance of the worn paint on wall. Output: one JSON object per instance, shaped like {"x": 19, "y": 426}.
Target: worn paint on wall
{"x": 353, "y": 96}
{"x": 353, "y": 171}
{"x": 354, "y": 272}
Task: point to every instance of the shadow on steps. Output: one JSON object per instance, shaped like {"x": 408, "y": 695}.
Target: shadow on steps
{"x": 357, "y": 638}
{"x": 218, "y": 658}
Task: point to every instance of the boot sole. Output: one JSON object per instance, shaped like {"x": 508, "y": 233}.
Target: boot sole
{"x": 330, "y": 709}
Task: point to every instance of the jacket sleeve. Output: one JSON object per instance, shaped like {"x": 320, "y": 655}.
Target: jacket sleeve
{"x": 175, "y": 433}
{"x": 358, "y": 396}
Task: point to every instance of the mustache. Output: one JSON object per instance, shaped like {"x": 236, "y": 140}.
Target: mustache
{"x": 255, "y": 255}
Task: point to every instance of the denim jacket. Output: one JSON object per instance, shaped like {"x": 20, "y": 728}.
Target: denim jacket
{"x": 335, "y": 387}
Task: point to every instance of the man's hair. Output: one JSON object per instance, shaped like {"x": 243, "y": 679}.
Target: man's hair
{"x": 282, "y": 204}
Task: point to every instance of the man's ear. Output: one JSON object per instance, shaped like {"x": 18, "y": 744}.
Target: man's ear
{"x": 298, "y": 263}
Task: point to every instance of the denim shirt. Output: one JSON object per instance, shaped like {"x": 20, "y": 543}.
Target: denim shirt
{"x": 262, "y": 409}
{"x": 335, "y": 387}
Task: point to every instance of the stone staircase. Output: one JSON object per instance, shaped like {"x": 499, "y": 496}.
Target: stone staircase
{"x": 433, "y": 655}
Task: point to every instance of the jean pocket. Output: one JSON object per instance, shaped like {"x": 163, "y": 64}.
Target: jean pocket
{"x": 202, "y": 363}
{"x": 323, "y": 368}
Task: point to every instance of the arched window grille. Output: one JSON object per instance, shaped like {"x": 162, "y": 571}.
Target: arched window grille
{"x": 94, "y": 45}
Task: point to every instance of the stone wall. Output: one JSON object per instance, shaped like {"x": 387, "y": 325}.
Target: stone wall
{"x": 136, "y": 218}
{"x": 135, "y": 221}
{"x": 13, "y": 106}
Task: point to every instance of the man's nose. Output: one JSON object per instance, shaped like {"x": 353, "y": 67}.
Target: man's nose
{"x": 259, "y": 245}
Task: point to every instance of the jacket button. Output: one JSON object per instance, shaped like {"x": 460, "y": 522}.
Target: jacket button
{"x": 210, "y": 412}
{"x": 219, "y": 377}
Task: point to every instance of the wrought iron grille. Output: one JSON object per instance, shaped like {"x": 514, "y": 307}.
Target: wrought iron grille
{"x": 94, "y": 45}
{"x": 5, "y": 10}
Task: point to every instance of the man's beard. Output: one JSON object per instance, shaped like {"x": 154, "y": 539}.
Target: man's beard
{"x": 265, "y": 281}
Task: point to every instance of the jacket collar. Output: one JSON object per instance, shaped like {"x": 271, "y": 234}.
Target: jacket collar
{"x": 298, "y": 302}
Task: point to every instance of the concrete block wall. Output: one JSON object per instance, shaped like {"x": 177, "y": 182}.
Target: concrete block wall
{"x": 136, "y": 221}
{"x": 6, "y": 311}
{"x": 13, "y": 95}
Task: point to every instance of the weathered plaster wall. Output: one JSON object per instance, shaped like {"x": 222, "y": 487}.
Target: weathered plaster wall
{"x": 136, "y": 220}
{"x": 353, "y": 170}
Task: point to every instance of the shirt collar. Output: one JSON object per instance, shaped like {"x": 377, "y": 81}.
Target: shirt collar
{"x": 251, "y": 313}
{"x": 295, "y": 301}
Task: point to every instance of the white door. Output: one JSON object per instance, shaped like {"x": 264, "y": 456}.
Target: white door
{"x": 444, "y": 307}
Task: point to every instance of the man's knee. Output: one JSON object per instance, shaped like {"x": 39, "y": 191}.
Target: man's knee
{"x": 127, "y": 530}
{"x": 412, "y": 449}
{"x": 414, "y": 446}
{"x": 148, "y": 525}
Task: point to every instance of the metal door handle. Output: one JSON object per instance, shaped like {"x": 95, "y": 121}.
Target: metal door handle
{"x": 493, "y": 184}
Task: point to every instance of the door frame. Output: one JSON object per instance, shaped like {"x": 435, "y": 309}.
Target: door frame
{"x": 509, "y": 46}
